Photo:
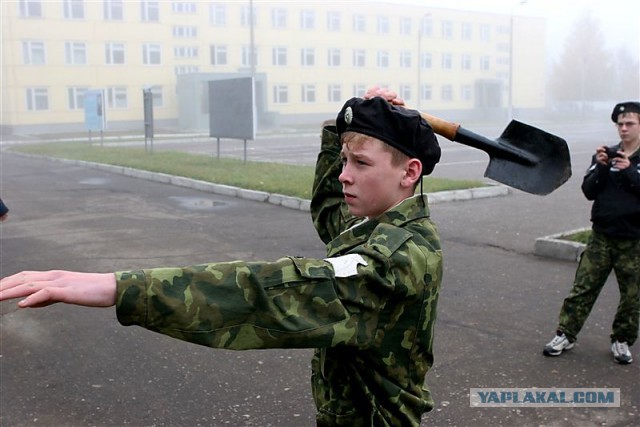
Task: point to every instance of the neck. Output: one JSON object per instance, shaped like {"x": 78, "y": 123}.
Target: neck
{"x": 631, "y": 147}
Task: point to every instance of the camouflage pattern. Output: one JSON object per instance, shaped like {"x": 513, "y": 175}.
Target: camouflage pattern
{"x": 373, "y": 330}
{"x": 601, "y": 255}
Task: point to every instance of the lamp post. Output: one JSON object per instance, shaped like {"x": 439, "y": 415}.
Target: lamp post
{"x": 419, "y": 59}
{"x": 511, "y": 58}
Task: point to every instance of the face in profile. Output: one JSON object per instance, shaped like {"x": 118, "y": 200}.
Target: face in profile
{"x": 371, "y": 183}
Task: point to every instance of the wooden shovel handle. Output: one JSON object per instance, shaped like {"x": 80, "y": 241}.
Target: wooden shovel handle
{"x": 442, "y": 127}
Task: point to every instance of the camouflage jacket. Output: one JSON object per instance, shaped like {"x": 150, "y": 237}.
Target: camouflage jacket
{"x": 371, "y": 317}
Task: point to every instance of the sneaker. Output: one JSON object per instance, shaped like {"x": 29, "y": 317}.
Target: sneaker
{"x": 557, "y": 345}
{"x": 621, "y": 353}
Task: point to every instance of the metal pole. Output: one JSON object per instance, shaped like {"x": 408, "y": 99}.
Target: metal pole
{"x": 510, "y": 112}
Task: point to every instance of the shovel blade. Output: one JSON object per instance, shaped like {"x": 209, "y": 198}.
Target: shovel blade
{"x": 551, "y": 168}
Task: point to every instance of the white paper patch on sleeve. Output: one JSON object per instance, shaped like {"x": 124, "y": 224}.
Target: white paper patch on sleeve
{"x": 346, "y": 265}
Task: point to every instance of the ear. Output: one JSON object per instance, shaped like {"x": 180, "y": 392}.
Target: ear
{"x": 412, "y": 173}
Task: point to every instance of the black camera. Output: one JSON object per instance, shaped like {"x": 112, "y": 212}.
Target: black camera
{"x": 612, "y": 153}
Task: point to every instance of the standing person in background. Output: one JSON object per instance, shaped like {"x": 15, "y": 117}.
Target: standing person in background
{"x": 369, "y": 308}
{"x": 613, "y": 183}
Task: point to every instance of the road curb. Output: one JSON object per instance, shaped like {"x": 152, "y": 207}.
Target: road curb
{"x": 262, "y": 196}
{"x": 554, "y": 246}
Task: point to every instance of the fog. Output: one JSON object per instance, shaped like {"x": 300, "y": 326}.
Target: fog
{"x": 619, "y": 19}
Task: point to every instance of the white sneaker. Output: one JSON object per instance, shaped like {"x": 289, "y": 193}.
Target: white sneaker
{"x": 557, "y": 345}
{"x": 621, "y": 353}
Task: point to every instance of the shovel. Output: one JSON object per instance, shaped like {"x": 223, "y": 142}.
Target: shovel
{"x": 523, "y": 157}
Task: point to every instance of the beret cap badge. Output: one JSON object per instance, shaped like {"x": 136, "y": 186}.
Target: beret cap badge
{"x": 348, "y": 115}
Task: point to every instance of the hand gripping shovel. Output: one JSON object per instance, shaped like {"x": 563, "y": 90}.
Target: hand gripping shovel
{"x": 523, "y": 157}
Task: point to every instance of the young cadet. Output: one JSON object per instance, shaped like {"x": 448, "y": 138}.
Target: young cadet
{"x": 613, "y": 183}
{"x": 368, "y": 309}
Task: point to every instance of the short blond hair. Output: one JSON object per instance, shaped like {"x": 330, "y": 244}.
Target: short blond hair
{"x": 355, "y": 140}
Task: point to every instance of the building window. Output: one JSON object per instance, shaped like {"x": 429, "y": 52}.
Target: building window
{"x": 151, "y": 54}
{"x": 280, "y": 94}
{"x": 185, "y": 52}
{"x": 73, "y": 9}
{"x": 359, "y": 23}
{"x": 30, "y": 9}
{"x": 333, "y": 57}
{"x": 279, "y": 56}
{"x": 466, "y": 31}
{"x": 307, "y": 20}
{"x": 37, "y": 99}
{"x": 405, "y": 59}
{"x": 185, "y": 69}
{"x": 383, "y": 25}
{"x": 359, "y": 90}
{"x": 279, "y": 17}
{"x": 246, "y": 60}
{"x": 485, "y": 63}
{"x": 218, "y": 55}
{"x": 465, "y": 92}
{"x": 359, "y": 57}
{"x": 334, "y": 93}
{"x": 75, "y": 53}
{"x": 426, "y": 26}
{"x": 405, "y": 92}
{"x": 333, "y": 21}
{"x": 150, "y": 10}
{"x": 33, "y": 53}
{"x": 157, "y": 100}
{"x": 217, "y": 15}
{"x": 114, "y": 53}
{"x": 185, "y": 32}
{"x": 75, "y": 97}
{"x": 447, "y": 61}
{"x": 426, "y": 61}
{"x": 382, "y": 59}
{"x": 485, "y": 33}
{"x": 246, "y": 15}
{"x": 183, "y": 7}
{"x": 405, "y": 26}
{"x": 426, "y": 92}
{"x": 465, "y": 62}
{"x": 447, "y": 93}
{"x": 307, "y": 57}
{"x": 117, "y": 97}
{"x": 113, "y": 10}
{"x": 447, "y": 30}
{"x": 308, "y": 93}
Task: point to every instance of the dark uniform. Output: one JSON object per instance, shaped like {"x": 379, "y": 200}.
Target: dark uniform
{"x": 369, "y": 308}
{"x": 614, "y": 244}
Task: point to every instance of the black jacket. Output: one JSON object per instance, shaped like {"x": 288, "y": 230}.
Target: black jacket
{"x": 616, "y": 195}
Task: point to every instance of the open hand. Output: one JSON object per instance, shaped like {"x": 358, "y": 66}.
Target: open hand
{"x": 385, "y": 93}
{"x": 42, "y": 288}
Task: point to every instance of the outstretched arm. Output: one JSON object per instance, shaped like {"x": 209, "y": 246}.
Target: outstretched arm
{"x": 42, "y": 288}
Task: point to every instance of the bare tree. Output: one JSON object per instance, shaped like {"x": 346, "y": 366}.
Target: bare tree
{"x": 583, "y": 72}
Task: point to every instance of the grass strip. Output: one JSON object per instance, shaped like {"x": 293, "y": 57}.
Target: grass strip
{"x": 280, "y": 178}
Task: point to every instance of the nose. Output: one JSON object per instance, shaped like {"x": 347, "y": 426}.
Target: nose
{"x": 345, "y": 176}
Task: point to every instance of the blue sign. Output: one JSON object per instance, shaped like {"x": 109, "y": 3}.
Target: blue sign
{"x": 95, "y": 118}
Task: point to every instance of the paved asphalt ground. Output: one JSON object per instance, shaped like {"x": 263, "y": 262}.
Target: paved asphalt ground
{"x": 75, "y": 366}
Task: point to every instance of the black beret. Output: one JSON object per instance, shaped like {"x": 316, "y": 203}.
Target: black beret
{"x": 399, "y": 127}
{"x": 625, "y": 107}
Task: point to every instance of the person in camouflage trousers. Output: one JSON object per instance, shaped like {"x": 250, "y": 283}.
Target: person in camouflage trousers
{"x": 613, "y": 183}
{"x": 369, "y": 308}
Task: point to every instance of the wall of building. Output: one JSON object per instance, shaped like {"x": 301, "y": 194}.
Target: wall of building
{"x": 469, "y": 56}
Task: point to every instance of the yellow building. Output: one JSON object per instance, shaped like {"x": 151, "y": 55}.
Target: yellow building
{"x": 310, "y": 56}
